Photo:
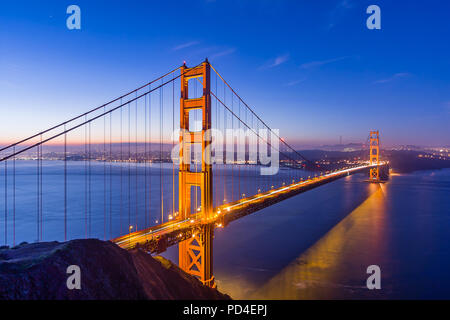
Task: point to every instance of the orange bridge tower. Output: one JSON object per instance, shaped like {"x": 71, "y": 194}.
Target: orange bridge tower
{"x": 374, "y": 143}
{"x": 195, "y": 253}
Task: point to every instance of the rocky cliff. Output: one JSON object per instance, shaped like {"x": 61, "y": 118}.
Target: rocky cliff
{"x": 39, "y": 271}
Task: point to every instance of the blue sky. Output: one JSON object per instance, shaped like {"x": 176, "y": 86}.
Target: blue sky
{"x": 310, "y": 68}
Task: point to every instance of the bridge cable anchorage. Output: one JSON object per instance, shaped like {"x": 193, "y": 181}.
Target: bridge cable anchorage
{"x": 251, "y": 110}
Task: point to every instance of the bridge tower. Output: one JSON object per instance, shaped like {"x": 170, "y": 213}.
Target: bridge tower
{"x": 195, "y": 253}
{"x": 374, "y": 144}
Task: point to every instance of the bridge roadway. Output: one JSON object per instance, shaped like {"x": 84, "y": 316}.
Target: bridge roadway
{"x": 156, "y": 239}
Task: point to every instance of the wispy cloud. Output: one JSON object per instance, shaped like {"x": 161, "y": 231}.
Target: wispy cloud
{"x": 185, "y": 45}
{"x": 394, "y": 77}
{"x": 316, "y": 64}
{"x": 275, "y": 62}
{"x": 338, "y": 12}
{"x": 223, "y": 53}
{"x": 294, "y": 82}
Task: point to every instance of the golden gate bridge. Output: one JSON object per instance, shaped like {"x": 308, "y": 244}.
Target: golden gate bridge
{"x": 155, "y": 168}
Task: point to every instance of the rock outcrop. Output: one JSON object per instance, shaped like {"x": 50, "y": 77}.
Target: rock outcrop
{"x": 38, "y": 271}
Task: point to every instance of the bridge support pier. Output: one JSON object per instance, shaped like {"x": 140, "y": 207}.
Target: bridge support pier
{"x": 195, "y": 254}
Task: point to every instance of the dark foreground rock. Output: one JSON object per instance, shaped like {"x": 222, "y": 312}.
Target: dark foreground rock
{"x": 38, "y": 271}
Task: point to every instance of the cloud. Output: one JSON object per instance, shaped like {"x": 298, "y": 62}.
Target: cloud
{"x": 223, "y": 53}
{"x": 394, "y": 77}
{"x": 185, "y": 45}
{"x": 339, "y": 11}
{"x": 314, "y": 64}
{"x": 294, "y": 82}
{"x": 279, "y": 60}
{"x": 275, "y": 62}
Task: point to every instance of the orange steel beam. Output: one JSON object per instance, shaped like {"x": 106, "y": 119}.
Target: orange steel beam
{"x": 374, "y": 143}
{"x": 195, "y": 253}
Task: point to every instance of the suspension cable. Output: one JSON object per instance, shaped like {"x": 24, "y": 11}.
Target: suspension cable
{"x": 250, "y": 109}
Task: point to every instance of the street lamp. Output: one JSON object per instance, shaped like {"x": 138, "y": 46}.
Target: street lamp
{"x": 129, "y": 235}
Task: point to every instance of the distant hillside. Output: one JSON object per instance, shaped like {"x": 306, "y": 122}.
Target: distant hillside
{"x": 38, "y": 271}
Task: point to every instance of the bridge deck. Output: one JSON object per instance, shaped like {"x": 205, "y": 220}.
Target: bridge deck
{"x": 156, "y": 239}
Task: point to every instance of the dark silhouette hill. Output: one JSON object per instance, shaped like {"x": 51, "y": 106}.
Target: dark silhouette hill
{"x": 38, "y": 271}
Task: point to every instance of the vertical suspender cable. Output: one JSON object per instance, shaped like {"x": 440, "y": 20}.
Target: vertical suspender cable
{"x": 173, "y": 144}
{"x": 129, "y": 168}
{"x": 14, "y": 198}
{"x": 160, "y": 151}
{"x": 145, "y": 164}
{"x": 136, "y": 162}
{"x": 85, "y": 178}
{"x": 6, "y": 202}
{"x": 121, "y": 167}
{"x": 110, "y": 175}
{"x": 90, "y": 184}
{"x": 65, "y": 185}
{"x": 104, "y": 174}
{"x": 150, "y": 153}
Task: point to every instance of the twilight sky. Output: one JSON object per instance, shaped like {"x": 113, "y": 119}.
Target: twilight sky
{"x": 310, "y": 68}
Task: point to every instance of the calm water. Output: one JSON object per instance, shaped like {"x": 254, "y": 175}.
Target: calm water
{"x": 316, "y": 245}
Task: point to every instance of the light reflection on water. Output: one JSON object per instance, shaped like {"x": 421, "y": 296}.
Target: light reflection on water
{"x": 319, "y": 244}
{"x": 318, "y": 272}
